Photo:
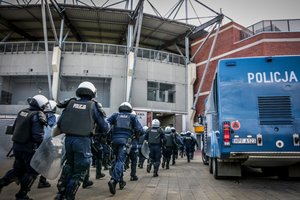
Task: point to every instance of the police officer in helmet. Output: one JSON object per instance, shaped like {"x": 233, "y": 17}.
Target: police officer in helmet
{"x": 28, "y": 132}
{"x": 124, "y": 125}
{"x": 189, "y": 143}
{"x": 78, "y": 121}
{"x": 167, "y": 148}
{"x": 155, "y": 138}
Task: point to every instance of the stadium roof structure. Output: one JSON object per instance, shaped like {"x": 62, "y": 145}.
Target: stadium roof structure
{"x": 96, "y": 24}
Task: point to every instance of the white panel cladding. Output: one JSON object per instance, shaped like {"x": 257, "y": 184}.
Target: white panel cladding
{"x": 94, "y": 65}
{"x": 23, "y": 64}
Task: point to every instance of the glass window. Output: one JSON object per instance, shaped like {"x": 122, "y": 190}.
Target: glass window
{"x": 294, "y": 25}
{"x": 5, "y": 97}
{"x": 161, "y": 92}
{"x": 258, "y": 27}
{"x": 267, "y": 25}
{"x": 281, "y": 26}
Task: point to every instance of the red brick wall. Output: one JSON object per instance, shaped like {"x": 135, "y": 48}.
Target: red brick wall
{"x": 229, "y": 40}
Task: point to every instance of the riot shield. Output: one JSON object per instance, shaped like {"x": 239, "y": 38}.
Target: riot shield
{"x": 145, "y": 149}
{"x": 48, "y": 158}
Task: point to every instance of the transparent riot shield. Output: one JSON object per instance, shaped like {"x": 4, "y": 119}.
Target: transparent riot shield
{"x": 48, "y": 158}
{"x": 145, "y": 149}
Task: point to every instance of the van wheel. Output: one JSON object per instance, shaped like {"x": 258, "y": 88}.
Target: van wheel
{"x": 215, "y": 168}
{"x": 205, "y": 158}
{"x": 210, "y": 165}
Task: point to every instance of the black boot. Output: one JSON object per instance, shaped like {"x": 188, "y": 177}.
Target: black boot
{"x": 163, "y": 163}
{"x": 72, "y": 188}
{"x": 149, "y": 167}
{"x": 122, "y": 185}
{"x": 134, "y": 178}
{"x": 98, "y": 176}
{"x": 26, "y": 182}
{"x": 112, "y": 186}
{"x": 155, "y": 173}
{"x": 87, "y": 183}
{"x": 43, "y": 183}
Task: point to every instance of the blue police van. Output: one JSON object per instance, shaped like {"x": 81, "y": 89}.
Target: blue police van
{"x": 252, "y": 117}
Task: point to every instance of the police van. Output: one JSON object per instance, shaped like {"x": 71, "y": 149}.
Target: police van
{"x": 252, "y": 117}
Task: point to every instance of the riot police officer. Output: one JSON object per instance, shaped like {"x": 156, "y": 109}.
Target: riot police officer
{"x": 28, "y": 133}
{"x": 168, "y": 148}
{"x": 155, "y": 138}
{"x": 124, "y": 125}
{"x": 178, "y": 143}
{"x": 77, "y": 121}
{"x": 189, "y": 143}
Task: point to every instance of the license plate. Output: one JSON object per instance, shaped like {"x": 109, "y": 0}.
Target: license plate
{"x": 244, "y": 141}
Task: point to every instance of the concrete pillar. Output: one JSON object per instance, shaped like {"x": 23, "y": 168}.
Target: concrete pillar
{"x": 191, "y": 77}
{"x": 56, "y": 57}
{"x": 130, "y": 65}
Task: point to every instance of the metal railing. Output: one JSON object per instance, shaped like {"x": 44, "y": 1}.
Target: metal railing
{"x": 290, "y": 25}
{"x": 90, "y": 48}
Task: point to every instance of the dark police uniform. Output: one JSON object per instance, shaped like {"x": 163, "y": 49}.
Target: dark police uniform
{"x": 155, "y": 138}
{"x": 124, "y": 124}
{"x": 189, "y": 143}
{"x": 77, "y": 122}
{"x": 28, "y": 133}
{"x": 168, "y": 147}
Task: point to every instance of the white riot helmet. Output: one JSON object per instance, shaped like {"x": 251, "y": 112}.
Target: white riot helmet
{"x": 133, "y": 112}
{"x": 39, "y": 101}
{"x": 155, "y": 123}
{"x": 51, "y": 107}
{"x": 86, "y": 89}
{"x": 145, "y": 128}
{"x": 125, "y": 106}
{"x": 168, "y": 129}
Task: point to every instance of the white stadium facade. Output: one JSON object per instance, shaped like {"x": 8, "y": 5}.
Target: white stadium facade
{"x": 49, "y": 46}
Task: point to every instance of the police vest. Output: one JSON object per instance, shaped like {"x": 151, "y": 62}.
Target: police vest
{"x": 123, "y": 121}
{"x": 23, "y": 126}
{"x": 154, "y": 136}
{"x": 169, "y": 142}
{"x": 188, "y": 140}
{"x": 77, "y": 118}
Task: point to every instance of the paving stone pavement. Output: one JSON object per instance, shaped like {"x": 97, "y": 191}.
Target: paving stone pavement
{"x": 184, "y": 181}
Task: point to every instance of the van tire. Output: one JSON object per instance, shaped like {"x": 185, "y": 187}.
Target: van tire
{"x": 210, "y": 165}
{"x": 205, "y": 158}
{"x": 215, "y": 167}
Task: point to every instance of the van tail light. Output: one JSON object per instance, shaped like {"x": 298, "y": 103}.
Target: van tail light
{"x": 296, "y": 139}
{"x": 226, "y": 133}
{"x": 259, "y": 139}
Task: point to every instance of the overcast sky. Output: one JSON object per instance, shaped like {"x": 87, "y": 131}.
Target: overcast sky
{"x": 244, "y": 12}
